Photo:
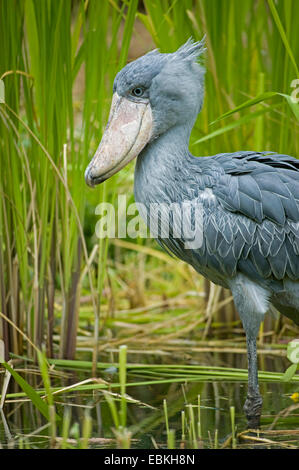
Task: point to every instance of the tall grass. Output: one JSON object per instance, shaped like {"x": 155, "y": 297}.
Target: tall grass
{"x": 252, "y": 46}
{"x": 49, "y": 50}
{"x": 45, "y": 45}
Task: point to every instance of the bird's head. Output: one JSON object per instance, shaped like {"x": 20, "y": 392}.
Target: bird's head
{"x": 150, "y": 95}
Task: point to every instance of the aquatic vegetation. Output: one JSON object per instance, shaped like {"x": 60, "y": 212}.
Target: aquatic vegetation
{"x": 79, "y": 297}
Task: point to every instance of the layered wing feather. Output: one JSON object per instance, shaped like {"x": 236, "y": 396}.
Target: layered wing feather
{"x": 251, "y": 222}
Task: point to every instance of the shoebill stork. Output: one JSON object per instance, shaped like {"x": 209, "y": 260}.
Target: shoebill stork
{"x": 249, "y": 200}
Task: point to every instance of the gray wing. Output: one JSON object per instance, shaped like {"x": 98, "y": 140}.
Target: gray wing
{"x": 252, "y": 223}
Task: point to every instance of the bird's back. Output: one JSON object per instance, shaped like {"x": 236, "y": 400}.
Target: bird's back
{"x": 250, "y": 209}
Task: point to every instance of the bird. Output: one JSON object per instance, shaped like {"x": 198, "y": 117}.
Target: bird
{"x": 248, "y": 235}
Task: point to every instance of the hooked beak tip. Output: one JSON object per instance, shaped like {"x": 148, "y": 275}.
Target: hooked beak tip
{"x": 91, "y": 179}
{"x": 88, "y": 178}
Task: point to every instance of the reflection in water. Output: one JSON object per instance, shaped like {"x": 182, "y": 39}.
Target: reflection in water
{"x": 22, "y": 425}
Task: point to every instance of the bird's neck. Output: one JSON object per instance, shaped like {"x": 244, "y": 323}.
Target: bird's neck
{"x": 160, "y": 160}
{"x": 169, "y": 148}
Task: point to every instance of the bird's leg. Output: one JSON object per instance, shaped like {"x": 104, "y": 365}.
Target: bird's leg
{"x": 254, "y": 401}
{"x": 251, "y": 301}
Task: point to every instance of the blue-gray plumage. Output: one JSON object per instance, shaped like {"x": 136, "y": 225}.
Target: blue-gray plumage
{"x": 250, "y": 200}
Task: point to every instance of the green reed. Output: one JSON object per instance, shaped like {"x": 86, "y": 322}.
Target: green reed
{"x": 47, "y": 47}
{"x": 48, "y": 131}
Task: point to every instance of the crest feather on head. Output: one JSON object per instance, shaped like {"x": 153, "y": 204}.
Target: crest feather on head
{"x": 191, "y": 50}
